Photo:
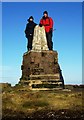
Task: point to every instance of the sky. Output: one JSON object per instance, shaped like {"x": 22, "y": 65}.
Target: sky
{"x": 82, "y": 42}
{"x": 67, "y": 38}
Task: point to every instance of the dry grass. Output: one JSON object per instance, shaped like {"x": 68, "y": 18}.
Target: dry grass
{"x": 22, "y": 100}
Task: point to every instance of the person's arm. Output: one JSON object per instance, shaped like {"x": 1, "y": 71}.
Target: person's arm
{"x": 41, "y": 21}
{"x": 26, "y": 29}
{"x": 51, "y": 23}
{"x": 40, "y": 24}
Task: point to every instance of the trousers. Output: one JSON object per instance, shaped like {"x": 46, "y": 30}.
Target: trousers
{"x": 49, "y": 40}
{"x": 29, "y": 45}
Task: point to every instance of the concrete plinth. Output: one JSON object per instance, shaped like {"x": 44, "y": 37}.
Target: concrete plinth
{"x": 41, "y": 71}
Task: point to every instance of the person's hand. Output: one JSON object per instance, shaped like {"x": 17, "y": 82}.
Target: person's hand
{"x": 40, "y": 25}
{"x": 51, "y": 29}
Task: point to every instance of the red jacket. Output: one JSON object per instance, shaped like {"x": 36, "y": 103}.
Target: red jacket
{"x": 47, "y": 23}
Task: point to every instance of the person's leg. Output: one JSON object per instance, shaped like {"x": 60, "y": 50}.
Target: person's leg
{"x": 30, "y": 38}
{"x": 49, "y": 40}
{"x": 28, "y": 44}
{"x": 50, "y": 37}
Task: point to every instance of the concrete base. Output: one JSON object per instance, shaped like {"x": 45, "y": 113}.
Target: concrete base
{"x": 41, "y": 71}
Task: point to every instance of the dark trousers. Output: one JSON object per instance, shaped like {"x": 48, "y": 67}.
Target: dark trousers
{"x": 49, "y": 40}
{"x": 29, "y": 45}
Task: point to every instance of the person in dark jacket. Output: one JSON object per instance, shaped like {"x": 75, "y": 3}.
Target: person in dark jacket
{"x": 29, "y": 31}
{"x": 47, "y": 22}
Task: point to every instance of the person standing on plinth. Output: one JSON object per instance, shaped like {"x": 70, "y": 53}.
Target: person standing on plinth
{"x": 29, "y": 31}
{"x": 47, "y": 22}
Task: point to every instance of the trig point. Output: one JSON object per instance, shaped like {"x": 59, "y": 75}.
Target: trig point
{"x": 40, "y": 68}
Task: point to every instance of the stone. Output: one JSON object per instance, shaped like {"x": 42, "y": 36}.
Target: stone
{"x": 40, "y": 70}
{"x": 39, "y": 39}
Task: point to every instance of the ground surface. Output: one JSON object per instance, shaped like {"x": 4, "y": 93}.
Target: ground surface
{"x": 19, "y": 103}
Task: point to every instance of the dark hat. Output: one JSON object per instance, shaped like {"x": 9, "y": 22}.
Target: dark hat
{"x": 45, "y": 12}
{"x": 31, "y": 17}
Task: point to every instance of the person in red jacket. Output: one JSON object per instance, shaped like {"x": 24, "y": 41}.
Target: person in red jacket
{"x": 47, "y": 22}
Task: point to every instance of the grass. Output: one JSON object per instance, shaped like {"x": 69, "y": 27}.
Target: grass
{"x": 21, "y": 100}
{"x": 32, "y": 104}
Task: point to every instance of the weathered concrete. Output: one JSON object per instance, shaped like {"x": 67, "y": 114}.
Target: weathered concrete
{"x": 41, "y": 68}
{"x": 39, "y": 39}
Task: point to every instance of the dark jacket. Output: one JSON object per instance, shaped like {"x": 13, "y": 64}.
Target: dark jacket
{"x": 30, "y": 28}
{"x": 47, "y": 23}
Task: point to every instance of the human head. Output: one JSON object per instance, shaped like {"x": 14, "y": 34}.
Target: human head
{"x": 30, "y": 19}
{"x": 45, "y": 13}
